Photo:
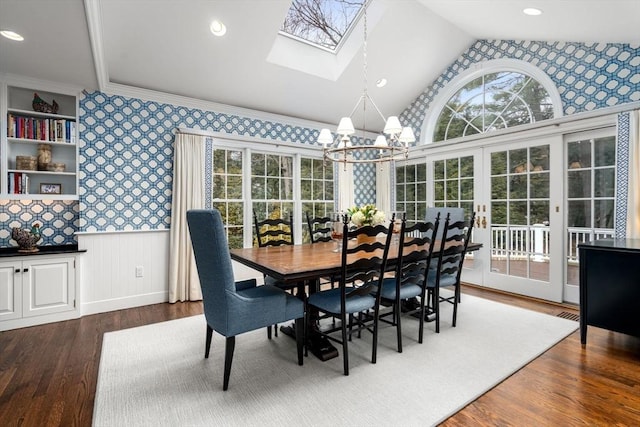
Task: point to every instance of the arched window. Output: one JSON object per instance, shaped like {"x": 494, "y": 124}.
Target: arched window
{"x": 495, "y": 97}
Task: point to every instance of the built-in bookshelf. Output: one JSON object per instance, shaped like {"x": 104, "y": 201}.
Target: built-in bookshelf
{"x": 38, "y": 153}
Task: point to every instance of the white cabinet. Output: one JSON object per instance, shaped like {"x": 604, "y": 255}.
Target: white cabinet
{"x": 37, "y": 289}
{"x": 38, "y": 150}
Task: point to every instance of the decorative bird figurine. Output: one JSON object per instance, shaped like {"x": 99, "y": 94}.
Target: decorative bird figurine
{"x": 26, "y": 239}
{"x": 42, "y": 106}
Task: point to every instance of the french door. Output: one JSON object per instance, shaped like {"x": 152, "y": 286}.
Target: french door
{"x": 523, "y": 201}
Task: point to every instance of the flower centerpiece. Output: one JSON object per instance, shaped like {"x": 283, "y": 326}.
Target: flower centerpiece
{"x": 366, "y": 215}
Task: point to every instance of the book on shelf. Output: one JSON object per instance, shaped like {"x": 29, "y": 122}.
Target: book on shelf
{"x": 41, "y": 129}
{"x": 18, "y": 183}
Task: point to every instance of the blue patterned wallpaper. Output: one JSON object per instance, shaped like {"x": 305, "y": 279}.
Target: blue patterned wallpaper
{"x": 126, "y": 154}
{"x": 58, "y": 220}
{"x": 588, "y": 76}
{"x": 622, "y": 173}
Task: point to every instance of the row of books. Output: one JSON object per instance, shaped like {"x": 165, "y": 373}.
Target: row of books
{"x": 18, "y": 183}
{"x": 53, "y": 130}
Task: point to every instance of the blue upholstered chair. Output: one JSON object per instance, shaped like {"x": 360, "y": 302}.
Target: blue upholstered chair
{"x": 410, "y": 277}
{"x": 232, "y": 308}
{"x": 452, "y": 249}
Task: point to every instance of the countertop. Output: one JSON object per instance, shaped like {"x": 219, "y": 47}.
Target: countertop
{"x": 43, "y": 250}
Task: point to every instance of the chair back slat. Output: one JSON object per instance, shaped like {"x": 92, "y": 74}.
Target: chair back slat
{"x": 319, "y": 228}
{"x": 417, "y": 243}
{"x": 274, "y": 231}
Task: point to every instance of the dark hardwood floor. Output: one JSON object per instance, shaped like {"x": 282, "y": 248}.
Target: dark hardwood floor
{"x": 48, "y": 373}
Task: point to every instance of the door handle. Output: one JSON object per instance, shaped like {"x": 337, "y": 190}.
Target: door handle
{"x": 484, "y": 222}
{"x": 478, "y": 222}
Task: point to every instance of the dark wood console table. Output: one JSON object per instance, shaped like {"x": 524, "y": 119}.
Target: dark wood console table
{"x": 610, "y": 286}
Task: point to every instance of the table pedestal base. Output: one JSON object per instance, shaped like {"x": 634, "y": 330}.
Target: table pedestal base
{"x": 319, "y": 346}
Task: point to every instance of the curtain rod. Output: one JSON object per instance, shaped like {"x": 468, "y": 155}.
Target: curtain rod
{"x": 192, "y": 131}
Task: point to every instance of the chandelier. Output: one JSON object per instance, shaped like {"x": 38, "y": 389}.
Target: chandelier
{"x": 393, "y": 146}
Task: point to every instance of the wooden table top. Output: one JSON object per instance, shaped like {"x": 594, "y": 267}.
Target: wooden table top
{"x": 294, "y": 263}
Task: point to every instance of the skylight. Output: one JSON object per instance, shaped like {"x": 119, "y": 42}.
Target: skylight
{"x": 322, "y": 23}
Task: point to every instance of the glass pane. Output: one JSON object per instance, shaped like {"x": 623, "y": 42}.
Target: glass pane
{"x": 257, "y": 188}
{"x": 518, "y": 187}
{"x": 272, "y": 189}
{"x": 273, "y": 165}
{"x": 218, "y": 161}
{"x": 605, "y": 151}
{"x": 218, "y": 191}
{"x": 499, "y": 163}
{"x": 421, "y": 192}
{"x": 328, "y": 188}
{"x": 318, "y": 190}
{"x": 603, "y": 213}
{"x": 421, "y": 172}
{"x": 579, "y": 213}
{"x": 400, "y": 173}
{"x": 466, "y": 166}
{"x": 579, "y": 154}
{"x": 305, "y": 189}
{"x": 466, "y": 189}
{"x": 305, "y": 167}
{"x": 518, "y": 213}
{"x": 257, "y": 164}
{"x": 452, "y": 189}
{"x": 518, "y": 265}
{"x": 234, "y": 162}
{"x": 400, "y": 193}
{"x": 539, "y": 214}
{"x": 539, "y": 185}
{"x": 318, "y": 168}
{"x": 235, "y": 212}
{"x": 438, "y": 169}
{"x": 539, "y": 157}
{"x": 234, "y": 187}
{"x": 421, "y": 211}
{"x": 604, "y": 182}
{"x": 499, "y": 213}
{"x": 452, "y": 168}
{"x": 499, "y": 187}
{"x": 286, "y": 164}
{"x": 438, "y": 189}
{"x": 518, "y": 161}
{"x": 410, "y": 174}
{"x": 410, "y": 192}
{"x": 579, "y": 183}
{"x": 287, "y": 189}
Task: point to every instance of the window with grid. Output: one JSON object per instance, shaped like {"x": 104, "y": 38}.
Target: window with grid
{"x": 271, "y": 186}
{"x": 411, "y": 191}
{"x": 453, "y": 183}
{"x": 316, "y": 185}
{"x": 227, "y": 192}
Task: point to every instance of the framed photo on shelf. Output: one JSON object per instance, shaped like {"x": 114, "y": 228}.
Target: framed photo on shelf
{"x": 50, "y": 188}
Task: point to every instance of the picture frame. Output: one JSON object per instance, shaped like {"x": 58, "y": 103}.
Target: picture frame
{"x": 48, "y": 188}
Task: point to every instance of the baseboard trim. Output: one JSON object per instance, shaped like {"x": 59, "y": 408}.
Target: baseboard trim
{"x": 122, "y": 303}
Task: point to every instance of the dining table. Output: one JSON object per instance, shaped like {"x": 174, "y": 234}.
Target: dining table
{"x": 302, "y": 266}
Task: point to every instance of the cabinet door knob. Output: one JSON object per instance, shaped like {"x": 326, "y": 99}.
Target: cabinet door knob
{"x": 17, "y": 270}
{"x": 25, "y": 270}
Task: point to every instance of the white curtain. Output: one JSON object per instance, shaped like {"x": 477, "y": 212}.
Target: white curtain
{"x": 345, "y": 186}
{"x": 188, "y": 193}
{"x": 633, "y": 195}
{"x": 383, "y": 188}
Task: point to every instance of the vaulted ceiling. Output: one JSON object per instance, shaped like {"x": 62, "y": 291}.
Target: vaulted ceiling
{"x": 166, "y": 46}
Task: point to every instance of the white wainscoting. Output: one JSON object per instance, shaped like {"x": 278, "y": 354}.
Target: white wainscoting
{"x": 109, "y": 281}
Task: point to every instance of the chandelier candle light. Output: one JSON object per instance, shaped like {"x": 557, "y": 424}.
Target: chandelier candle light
{"x": 395, "y": 146}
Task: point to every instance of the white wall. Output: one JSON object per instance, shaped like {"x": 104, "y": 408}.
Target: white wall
{"x": 108, "y": 279}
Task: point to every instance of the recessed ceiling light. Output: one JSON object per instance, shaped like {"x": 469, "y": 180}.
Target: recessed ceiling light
{"x": 532, "y": 11}
{"x": 218, "y": 28}
{"x": 12, "y": 35}
{"x": 381, "y": 82}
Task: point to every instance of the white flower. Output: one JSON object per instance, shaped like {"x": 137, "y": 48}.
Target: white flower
{"x": 358, "y": 219}
{"x": 378, "y": 218}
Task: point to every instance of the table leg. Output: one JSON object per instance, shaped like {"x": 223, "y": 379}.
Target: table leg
{"x": 320, "y": 346}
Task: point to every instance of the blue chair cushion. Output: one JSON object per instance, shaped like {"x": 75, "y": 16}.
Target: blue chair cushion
{"x": 445, "y": 280}
{"x": 406, "y": 291}
{"x": 329, "y": 301}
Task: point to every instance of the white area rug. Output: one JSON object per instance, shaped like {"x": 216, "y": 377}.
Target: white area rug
{"x": 157, "y": 375}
